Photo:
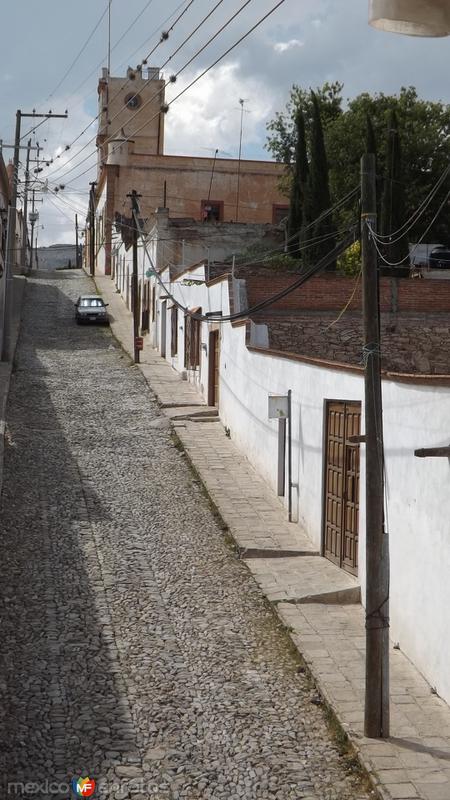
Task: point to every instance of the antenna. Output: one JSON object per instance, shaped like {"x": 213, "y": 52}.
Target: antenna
{"x": 109, "y": 38}
{"x": 241, "y": 101}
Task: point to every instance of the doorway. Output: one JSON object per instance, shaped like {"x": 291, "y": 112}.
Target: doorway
{"x": 341, "y": 484}
{"x": 163, "y": 328}
{"x": 213, "y": 368}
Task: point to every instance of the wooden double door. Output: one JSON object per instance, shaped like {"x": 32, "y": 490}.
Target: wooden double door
{"x": 214, "y": 368}
{"x": 341, "y": 484}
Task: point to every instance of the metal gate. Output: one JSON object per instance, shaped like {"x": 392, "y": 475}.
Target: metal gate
{"x": 341, "y": 484}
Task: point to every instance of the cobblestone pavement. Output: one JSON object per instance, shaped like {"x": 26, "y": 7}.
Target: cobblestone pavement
{"x": 136, "y": 648}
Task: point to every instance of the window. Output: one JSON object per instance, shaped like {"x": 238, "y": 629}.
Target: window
{"x": 174, "y": 331}
{"x": 279, "y": 213}
{"x": 192, "y": 328}
{"x": 91, "y": 302}
{"x": 212, "y": 210}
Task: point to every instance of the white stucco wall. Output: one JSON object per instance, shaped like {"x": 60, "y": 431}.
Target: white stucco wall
{"x": 418, "y": 497}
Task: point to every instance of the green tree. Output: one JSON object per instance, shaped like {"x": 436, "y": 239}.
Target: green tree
{"x": 392, "y": 216}
{"x": 425, "y": 127}
{"x": 299, "y": 179}
{"x": 371, "y": 142}
{"x": 317, "y": 196}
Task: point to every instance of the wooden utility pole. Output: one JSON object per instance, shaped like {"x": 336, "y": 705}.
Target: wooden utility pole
{"x": 77, "y": 254}
{"x": 23, "y": 260}
{"x": 93, "y": 184}
{"x": 33, "y": 220}
{"x": 134, "y": 280}
{"x": 376, "y": 721}
{"x": 11, "y": 233}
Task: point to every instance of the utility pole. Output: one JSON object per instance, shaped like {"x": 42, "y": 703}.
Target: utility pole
{"x": 376, "y": 722}
{"x": 77, "y": 255}
{"x": 134, "y": 281}
{"x": 93, "y": 184}
{"x": 33, "y": 219}
{"x": 23, "y": 260}
{"x": 11, "y": 233}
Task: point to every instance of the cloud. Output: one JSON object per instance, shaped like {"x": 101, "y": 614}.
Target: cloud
{"x": 281, "y": 47}
{"x": 208, "y": 116}
{"x": 305, "y": 43}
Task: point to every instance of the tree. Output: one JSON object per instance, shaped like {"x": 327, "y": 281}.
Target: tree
{"x": 425, "y": 127}
{"x": 393, "y": 200}
{"x": 371, "y": 144}
{"x": 317, "y": 196}
{"x": 299, "y": 179}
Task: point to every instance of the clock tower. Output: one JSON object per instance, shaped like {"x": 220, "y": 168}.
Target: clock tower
{"x": 131, "y": 107}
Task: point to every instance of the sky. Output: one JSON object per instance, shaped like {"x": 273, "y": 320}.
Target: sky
{"x": 54, "y": 61}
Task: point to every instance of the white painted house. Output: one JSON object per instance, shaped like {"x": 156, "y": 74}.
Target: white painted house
{"x": 235, "y": 369}
{"x": 237, "y": 365}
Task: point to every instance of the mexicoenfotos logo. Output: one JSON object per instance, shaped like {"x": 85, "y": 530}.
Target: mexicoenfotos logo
{"x": 83, "y": 787}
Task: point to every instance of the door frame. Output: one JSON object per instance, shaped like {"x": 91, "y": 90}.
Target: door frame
{"x": 326, "y": 403}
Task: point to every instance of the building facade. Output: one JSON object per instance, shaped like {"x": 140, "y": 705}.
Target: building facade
{"x": 131, "y": 157}
{"x": 298, "y": 345}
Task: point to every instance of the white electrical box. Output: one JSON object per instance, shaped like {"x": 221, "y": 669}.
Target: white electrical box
{"x": 278, "y": 406}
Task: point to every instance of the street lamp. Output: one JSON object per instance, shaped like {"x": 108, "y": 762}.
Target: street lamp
{"x": 411, "y": 17}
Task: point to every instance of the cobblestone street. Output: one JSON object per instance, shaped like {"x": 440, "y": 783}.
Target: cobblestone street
{"x": 136, "y": 648}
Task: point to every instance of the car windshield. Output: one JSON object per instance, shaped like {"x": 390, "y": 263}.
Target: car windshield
{"x": 91, "y": 302}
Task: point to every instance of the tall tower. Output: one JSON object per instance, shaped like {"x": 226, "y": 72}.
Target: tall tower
{"x": 131, "y": 107}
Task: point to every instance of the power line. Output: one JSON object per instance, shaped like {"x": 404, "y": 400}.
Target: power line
{"x": 78, "y": 56}
{"x": 202, "y": 74}
{"x": 172, "y": 79}
{"x": 162, "y": 39}
{"x": 319, "y": 267}
{"x": 387, "y": 240}
{"x": 413, "y": 250}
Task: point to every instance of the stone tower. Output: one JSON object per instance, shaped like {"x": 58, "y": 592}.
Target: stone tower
{"x": 130, "y": 108}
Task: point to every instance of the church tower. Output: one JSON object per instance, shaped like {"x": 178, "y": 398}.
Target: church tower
{"x": 131, "y": 108}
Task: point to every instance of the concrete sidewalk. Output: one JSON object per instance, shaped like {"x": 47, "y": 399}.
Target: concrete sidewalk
{"x": 316, "y": 600}
{"x": 6, "y": 366}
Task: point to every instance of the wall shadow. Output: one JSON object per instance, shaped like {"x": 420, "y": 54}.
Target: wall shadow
{"x": 64, "y": 705}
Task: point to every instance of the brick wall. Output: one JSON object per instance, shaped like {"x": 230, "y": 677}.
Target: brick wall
{"x": 332, "y": 292}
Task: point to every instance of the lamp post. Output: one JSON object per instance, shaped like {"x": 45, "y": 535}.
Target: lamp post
{"x": 411, "y": 17}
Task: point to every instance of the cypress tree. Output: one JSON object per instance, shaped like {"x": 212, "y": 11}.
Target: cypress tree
{"x": 299, "y": 179}
{"x": 393, "y": 199}
{"x": 371, "y": 143}
{"x": 317, "y": 195}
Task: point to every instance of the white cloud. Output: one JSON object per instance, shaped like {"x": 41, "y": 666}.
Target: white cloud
{"x": 281, "y": 47}
{"x": 208, "y": 115}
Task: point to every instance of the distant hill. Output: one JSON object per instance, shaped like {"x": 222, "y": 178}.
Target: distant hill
{"x": 56, "y": 255}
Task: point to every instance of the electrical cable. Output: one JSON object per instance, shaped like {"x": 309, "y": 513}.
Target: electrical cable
{"x": 413, "y": 249}
{"x": 161, "y": 40}
{"x": 241, "y": 39}
{"x": 321, "y": 265}
{"x": 387, "y": 240}
{"x": 263, "y": 257}
{"x": 169, "y": 81}
{"x": 76, "y": 59}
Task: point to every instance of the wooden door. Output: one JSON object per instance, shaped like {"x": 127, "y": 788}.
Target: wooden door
{"x": 341, "y": 517}
{"x": 163, "y": 328}
{"x": 213, "y": 368}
